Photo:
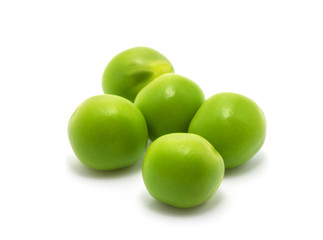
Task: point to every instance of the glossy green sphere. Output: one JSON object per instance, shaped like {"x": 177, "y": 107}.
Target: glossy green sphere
{"x": 182, "y": 170}
{"x": 169, "y": 104}
{"x": 107, "y": 132}
{"x": 129, "y": 71}
{"x": 234, "y": 124}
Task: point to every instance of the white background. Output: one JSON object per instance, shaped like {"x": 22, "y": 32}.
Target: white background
{"x": 52, "y": 56}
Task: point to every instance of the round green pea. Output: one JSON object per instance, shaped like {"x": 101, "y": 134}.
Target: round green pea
{"x": 107, "y": 132}
{"x": 169, "y": 104}
{"x": 182, "y": 170}
{"x": 129, "y": 71}
{"x": 234, "y": 124}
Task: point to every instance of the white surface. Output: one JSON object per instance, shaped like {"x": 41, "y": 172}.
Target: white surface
{"x": 52, "y": 56}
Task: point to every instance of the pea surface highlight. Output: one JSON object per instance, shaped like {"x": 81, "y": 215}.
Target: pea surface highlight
{"x": 107, "y": 132}
{"x": 234, "y": 124}
{"x": 129, "y": 71}
{"x": 169, "y": 104}
{"x": 182, "y": 170}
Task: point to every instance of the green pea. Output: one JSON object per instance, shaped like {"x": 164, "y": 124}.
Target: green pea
{"x": 129, "y": 71}
{"x": 182, "y": 170}
{"x": 169, "y": 104}
{"x": 233, "y": 124}
{"x": 107, "y": 132}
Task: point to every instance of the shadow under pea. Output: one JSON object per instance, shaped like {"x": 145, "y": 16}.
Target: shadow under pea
{"x": 254, "y": 164}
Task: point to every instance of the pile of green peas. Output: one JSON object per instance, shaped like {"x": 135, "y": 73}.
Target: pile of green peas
{"x": 193, "y": 140}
